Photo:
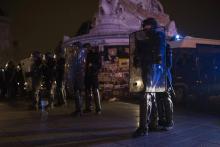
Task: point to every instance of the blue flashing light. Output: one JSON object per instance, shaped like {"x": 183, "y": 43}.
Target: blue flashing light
{"x": 177, "y": 37}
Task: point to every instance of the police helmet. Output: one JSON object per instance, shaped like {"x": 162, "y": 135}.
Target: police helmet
{"x": 77, "y": 44}
{"x": 49, "y": 55}
{"x": 150, "y": 21}
{"x": 36, "y": 55}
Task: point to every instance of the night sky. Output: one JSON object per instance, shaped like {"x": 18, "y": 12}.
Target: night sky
{"x": 40, "y": 24}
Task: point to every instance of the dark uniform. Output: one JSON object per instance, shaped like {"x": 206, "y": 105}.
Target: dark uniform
{"x": 10, "y": 77}
{"x": 149, "y": 56}
{"x": 35, "y": 74}
{"x": 76, "y": 72}
{"x": 48, "y": 75}
{"x": 20, "y": 80}
{"x": 93, "y": 65}
{"x": 59, "y": 71}
{"x": 164, "y": 102}
{"x": 2, "y": 83}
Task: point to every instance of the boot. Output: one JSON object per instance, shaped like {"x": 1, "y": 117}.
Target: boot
{"x": 140, "y": 132}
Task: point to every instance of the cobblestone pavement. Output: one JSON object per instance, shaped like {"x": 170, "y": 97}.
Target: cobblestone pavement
{"x": 22, "y": 127}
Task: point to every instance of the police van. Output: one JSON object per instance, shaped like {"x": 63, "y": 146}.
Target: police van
{"x": 196, "y": 71}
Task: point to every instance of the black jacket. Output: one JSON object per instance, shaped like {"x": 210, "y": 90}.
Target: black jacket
{"x": 93, "y": 64}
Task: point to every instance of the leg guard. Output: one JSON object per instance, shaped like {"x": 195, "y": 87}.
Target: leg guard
{"x": 145, "y": 111}
{"x": 161, "y": 109}
{"x": 153, "y": 122}
{"x": 97, "y": 100}
{"x": 88, "y": 100}
{"x": 63, "y": 91}
{"x": 168, "y": 105}
{"x": 78, "y": 101}
{"x": 51, "y": 97}
{"x": 37, "y": 99}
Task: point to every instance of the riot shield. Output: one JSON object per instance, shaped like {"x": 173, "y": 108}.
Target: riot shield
{"x": 154, "y": 80}
{"x": 75, "y": 70}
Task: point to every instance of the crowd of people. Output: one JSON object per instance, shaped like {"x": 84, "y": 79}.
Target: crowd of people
{"x": 11, "y": 80}
{"x": 47, "y": 75}
{"x": 51, "y": 78}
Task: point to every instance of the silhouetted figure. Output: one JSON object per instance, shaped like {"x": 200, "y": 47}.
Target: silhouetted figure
{"x": 59, "y": 78}
{"x": 20, "y": 80}
{"x": 149, "y": 56}
{"x": 2, "y": 83}
{"x": 77, "y": 70}
{"x": 35, "y": 74}
{"x": 10, "y": 77}
{"x": 48, "y": 77}
{"x": 93, "y": 65}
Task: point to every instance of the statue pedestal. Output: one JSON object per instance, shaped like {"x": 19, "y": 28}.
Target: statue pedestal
{"x": 116, "y": 19}
{"x": 109, "y": 24}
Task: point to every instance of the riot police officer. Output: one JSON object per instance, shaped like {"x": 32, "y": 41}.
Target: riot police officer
{"x": 93, "y": 65}
{"x": 164, "y": 102}
{"x": 48, "y": 75}
{"x": 76, "y": 72}
{"x": 59, "y": 78}
{"x": 149, "y": 56}
{"x": 2, "y": 83}
{"x": 35, "y": 74}
{"x": 10, "y": 77}
{"x": 20, "y": 80}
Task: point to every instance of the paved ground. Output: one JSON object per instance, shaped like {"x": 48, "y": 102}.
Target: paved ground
{"x": 19, "y": 127}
